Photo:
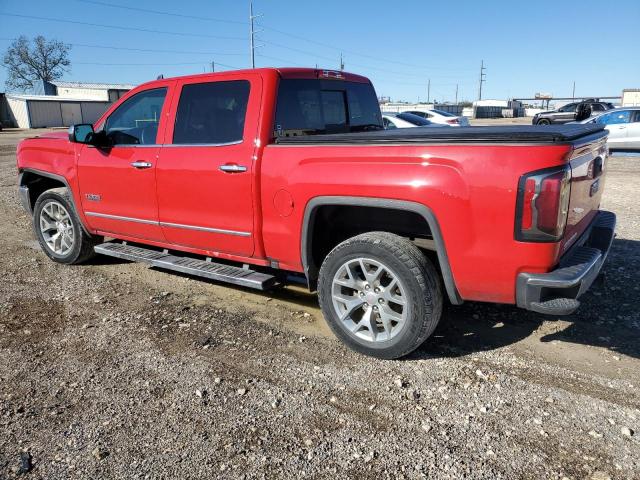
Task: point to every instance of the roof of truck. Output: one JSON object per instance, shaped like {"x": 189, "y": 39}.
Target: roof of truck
{"x": 284, "y": 72}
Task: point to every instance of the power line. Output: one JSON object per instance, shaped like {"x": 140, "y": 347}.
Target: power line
{"x": 160, "y": 12}
{"x": 151, "y": 64}
{"x": 119, "y": 27}
{"x": 153, "y": 50}
{"x": 365, "y": 67}
{"x": 359, "y": 54}
{"x": 266, "y": 27}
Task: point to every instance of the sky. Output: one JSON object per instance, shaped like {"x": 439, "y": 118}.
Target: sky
{"x": 526, "y": 46}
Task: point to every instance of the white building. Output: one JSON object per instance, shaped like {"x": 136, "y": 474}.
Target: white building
{"x": 107, "y": 92}
{"x": 631, "y": 97}
{"x": 61, "y": 104}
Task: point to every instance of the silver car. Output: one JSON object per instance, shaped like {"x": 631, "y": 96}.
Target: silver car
{"x": 623, "y": 125}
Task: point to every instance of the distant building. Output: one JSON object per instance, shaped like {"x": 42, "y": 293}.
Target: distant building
{"x": 61, "y": 104}
{"x": 631, "y": 97}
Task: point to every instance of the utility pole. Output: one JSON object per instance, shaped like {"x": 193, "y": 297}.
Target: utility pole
{"x": 456, "y": 94}
{"x": 573, "y": 94}
{"x": 213, "y": 66}
{"x": 341, "y": 62}
{"x": 251, "y": 36}
{"x": 482, "y": 79}
{"x": 429, "y": 91}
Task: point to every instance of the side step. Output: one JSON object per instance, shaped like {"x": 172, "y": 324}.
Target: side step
{"x": 201, "y": 268}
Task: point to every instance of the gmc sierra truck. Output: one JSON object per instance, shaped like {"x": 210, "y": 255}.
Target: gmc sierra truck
{"x": 269, "y": 176}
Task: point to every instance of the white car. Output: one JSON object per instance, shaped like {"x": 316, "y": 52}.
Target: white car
{"x": 623, "y": 125}
{"x": 405, "y": 120}
{"x": 442, "y": 117}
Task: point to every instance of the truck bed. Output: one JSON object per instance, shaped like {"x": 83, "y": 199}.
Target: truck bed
{"x": 553, "y": 134}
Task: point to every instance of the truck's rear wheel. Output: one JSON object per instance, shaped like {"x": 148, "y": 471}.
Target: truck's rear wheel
{"x": 380, "y": 295}
{"x": 58, "y": 228}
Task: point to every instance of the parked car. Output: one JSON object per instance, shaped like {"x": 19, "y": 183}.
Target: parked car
{"x": 391, "y": 121}
{"x": 267, "y": 176}
{"x": 568, "y": 112}
{"x": 406, "y": 120}
{"x": 623, "y": 125}
{"x": 442, "y": 117}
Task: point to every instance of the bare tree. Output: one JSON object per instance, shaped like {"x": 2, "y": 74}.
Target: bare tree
{"x": 45, "y": 60}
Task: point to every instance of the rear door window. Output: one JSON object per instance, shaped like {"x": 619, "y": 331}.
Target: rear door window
{"x": 211, "y": 113}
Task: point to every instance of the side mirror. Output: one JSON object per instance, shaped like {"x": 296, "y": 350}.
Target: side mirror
{"x": 81, "y": 133}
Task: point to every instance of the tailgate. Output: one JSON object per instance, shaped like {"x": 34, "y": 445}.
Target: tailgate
{"x": 588, "y": 171}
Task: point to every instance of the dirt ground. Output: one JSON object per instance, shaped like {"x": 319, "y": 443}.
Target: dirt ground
{"x": 115, "y": 370}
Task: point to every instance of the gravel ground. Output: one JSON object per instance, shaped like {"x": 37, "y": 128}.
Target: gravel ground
{"x": 115, "y": 370}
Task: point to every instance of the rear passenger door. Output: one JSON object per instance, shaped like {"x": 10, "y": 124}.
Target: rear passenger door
{"x": 205, "y": 171}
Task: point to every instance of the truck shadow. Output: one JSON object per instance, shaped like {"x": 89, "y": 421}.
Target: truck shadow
{"x": 608, "y": 317}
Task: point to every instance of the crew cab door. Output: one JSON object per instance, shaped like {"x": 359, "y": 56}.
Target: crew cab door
{"x": 118, "y": 183}
{"x": 205, "y": 171}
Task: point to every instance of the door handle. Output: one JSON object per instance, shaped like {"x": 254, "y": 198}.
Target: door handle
{"x": 232, "y": 168}
{"x": 140, "y": 164}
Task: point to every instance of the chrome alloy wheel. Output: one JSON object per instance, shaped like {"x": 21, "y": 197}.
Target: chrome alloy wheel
{"x": 369, "y": 299}
{"x": 56, "y": 228}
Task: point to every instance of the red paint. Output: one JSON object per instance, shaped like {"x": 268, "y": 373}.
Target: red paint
{"x": 470, "y": 188}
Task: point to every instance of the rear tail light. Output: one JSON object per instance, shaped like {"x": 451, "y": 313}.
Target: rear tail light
{"x": 542, "y": 205}
{"x": 453, "y": 121}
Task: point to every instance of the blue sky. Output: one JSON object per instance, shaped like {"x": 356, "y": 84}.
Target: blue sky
{"x": 527, "y": 47}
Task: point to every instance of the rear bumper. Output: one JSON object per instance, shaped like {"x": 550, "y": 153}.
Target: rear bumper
{"x": 557, "y": 292}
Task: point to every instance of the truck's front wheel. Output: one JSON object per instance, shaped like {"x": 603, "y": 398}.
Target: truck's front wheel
{"x": 58, "y": 228}
{"x": 380, "y": 295}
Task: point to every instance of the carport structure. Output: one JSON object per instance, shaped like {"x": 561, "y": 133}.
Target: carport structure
{"x": 45, "y": 111}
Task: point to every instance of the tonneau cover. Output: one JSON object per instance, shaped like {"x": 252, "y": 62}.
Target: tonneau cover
{"x": 497, "y": 134}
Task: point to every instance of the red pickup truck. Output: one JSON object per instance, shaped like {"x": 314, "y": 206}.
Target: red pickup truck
{"x": 268, "y": 176}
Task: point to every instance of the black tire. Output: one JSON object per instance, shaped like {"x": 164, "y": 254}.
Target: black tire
{"x": 543, "y": 121}
{"x": 421, "y": 282}
{"x": 82, "y": 248}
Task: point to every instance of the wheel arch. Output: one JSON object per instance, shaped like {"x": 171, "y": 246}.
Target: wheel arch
{"x": 32, "y": 183}
{"x": 314, "y": 205}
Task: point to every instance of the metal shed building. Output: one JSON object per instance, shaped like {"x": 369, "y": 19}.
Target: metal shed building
{"x": 42, "y": 111}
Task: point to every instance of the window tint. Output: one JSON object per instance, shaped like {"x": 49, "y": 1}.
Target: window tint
{"x": 136, "y": 120}
{"x": 364, "y": 109}
{"x": 444, "y": 114}
{"x": 419, "y": 114}
{"x": 414, "y": 119}
{"x": 334, "y": 108}
{"x": 571, "y": 107}
{"x": 313, "y": 107}
{"x": 615, "y": 117}
{"x": 211, "y": 113}
{"x": 598, "y": 107}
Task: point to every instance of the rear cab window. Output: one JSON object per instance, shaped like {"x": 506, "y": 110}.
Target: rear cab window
{"x": 317, "y": 106}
